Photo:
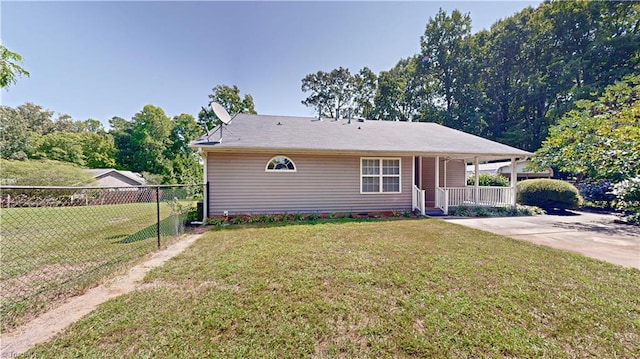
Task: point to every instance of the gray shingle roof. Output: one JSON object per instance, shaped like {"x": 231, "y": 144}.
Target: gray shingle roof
{"x": 99, "y": 172}
{"x": 265, "y": 132}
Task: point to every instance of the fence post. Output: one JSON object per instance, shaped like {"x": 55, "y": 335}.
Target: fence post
{"x": 158, "y": 213}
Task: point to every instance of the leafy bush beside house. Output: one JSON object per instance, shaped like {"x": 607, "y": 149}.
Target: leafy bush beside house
{"x": 548, "y": 194}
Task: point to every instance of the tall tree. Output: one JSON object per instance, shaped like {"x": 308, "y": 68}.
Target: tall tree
{"x": 404, "y": 92}
{"x": 600, "y": 139}
{"x": 38, "y": 120}
{"x": 229, "y": 97}
{"x": 333, "y": 92}
{"x": 10, "y": 69}
{"x": 14, "y": 141}
{"x": 365, "y": 87}
{"x": 442, "y": 46}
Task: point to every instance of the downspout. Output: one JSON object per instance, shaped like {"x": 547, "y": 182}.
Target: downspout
{"x": 205, "y": 197}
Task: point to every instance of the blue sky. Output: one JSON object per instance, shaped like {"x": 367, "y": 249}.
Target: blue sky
{"x": 103, "y": 59}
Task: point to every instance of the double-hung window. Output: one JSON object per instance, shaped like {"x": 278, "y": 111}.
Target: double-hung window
{"x": 380, "y": 175}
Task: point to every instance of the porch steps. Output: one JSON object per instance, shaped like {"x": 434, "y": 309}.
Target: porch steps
{"x": 433, "y": 212}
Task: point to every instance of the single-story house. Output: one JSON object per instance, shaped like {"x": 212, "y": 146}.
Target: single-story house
{"x": 109, "y": 177}
{"x": 260, "y": 164}
{"x": 503, "y": 168}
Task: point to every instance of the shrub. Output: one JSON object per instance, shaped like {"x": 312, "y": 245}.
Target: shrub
{"x": 597, "y": 191}
{"x": 215, "y": 221}
{"x": 548, "y": 194}
{"x": 465, "y": 211}
{"x": 627, "y": 193}
{"x": 486, "y": 179}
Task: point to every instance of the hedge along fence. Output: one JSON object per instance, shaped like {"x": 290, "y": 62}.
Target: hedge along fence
{"x": 548, "y": 194}
{"x": 58, "y": 241}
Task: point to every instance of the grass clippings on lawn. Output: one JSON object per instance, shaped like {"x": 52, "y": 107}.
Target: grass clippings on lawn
{"x": 410, "y": 288}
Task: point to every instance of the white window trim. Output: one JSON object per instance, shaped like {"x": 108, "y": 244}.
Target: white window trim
{"x": 381, "y": 176}
{"x": 266, "y": 167}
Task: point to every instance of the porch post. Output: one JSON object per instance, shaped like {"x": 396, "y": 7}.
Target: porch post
{"x": 445, "y": 172}
{"x": 437, "y": 171}
{"x": 514, "y": 179}
{"x": 413, "y": 176}
{"x": 420, "y": 172}
{"x": 477, "y": 178}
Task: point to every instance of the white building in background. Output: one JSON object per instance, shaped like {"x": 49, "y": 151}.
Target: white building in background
{"x": 504, "y": 169}
{"x": 109, "y": 177}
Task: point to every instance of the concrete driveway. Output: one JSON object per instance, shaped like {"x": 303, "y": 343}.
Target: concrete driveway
{"x": 590, "y": 234}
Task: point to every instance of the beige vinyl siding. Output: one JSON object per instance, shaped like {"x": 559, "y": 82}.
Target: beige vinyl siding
{"x": 429, "y": 180}
{"x": 456, "y": 172}
{"x": 239, "y": 184}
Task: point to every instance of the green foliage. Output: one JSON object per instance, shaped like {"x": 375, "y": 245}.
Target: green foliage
{"x": 479, "y": 211}
{"x": 596, "y": 192}
{"x": 486, "y": 179}
{"x": 10, "y": 69}
{"x": 43, "y": 173}
{"x": 627, "y": 193}
{"x": 444, "y": 46}
{"x": 157, "y": 146}
{"x": 331, "y": 91}
{"x": 403, "y": 92}
{"x": 509, "y": 83}
{"x": 93, "y": 150}
{"x": 548, "y": 194}
{"x": 600, "y": 139}
{"x": 229, "y": 98}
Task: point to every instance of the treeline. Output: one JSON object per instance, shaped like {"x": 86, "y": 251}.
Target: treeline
{"x": 150, "y": 142}
{"x": 509, "y": 83}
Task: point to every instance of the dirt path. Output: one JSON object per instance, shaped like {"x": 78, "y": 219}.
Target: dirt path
{"x": 44, "y": 327}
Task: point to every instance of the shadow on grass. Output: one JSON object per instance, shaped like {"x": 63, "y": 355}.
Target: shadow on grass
{"x": 168, "y": 227}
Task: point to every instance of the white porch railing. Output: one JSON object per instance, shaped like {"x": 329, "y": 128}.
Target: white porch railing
{"x": 442, "y": 200}
{"x": 470, "y": 196}
{"x": 418, "y": 199}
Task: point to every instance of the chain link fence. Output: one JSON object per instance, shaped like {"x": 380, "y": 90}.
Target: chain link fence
{"x": 55, "y": 242}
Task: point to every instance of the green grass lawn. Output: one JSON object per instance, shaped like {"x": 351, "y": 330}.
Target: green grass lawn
{"x": 405, "y": 288}
{"x": 54, "y": 252}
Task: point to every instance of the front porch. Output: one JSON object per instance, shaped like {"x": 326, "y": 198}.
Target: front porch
{"x": 440, "y": 182}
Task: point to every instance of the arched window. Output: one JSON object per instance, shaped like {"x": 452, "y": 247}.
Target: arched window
{"x": 280, "y": 163}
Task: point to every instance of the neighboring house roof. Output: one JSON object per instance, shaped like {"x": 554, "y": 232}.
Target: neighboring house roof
{"x": 98, "y": 173}
{"x": 505, "y": 168}
{"x": 280, "y": 133}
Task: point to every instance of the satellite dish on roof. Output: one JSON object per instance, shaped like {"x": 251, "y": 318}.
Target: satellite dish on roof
{"x": 222, "y": 114}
